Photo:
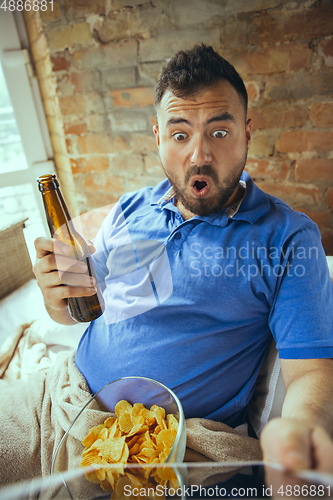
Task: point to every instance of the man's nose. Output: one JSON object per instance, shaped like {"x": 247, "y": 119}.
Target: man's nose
{"x": 200, "y": 154}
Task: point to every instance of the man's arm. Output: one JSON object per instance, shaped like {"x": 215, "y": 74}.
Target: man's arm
{"x": 60, "y": 277}
{"x": 302, "y": 437}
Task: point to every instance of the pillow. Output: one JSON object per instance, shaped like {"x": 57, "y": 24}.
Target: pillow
{"x": 15, "y": 263}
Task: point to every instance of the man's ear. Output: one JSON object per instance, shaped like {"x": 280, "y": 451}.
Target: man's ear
{"x": 157, "y": 135}
{"x": 248, "y": 131}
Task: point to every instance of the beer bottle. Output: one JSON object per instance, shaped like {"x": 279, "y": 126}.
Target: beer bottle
{"x": 82, "y": 309}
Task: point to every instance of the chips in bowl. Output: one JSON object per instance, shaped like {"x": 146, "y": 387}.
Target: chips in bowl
{"x": 135, "y": 435}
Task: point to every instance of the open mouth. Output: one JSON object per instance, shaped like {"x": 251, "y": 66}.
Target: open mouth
{"x": 200, "y": 187}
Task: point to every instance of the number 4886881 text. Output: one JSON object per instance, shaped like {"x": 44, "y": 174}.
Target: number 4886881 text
{"x": 26, "y": 5}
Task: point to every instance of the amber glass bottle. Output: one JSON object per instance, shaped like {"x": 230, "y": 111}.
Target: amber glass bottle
{"x": 82, "y": 309}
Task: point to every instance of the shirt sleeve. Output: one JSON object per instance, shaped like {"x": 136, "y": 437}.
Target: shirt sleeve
{"x": 301, "y": 316}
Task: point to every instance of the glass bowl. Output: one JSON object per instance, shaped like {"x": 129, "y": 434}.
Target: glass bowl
{"x": 134, "y": 390}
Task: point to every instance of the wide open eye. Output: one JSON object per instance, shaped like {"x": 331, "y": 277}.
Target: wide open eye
{"x": 219, "y": 134}
{"x": 179, "y": 136}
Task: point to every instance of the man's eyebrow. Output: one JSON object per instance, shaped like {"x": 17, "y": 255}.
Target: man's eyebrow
{"x": 222, "y": 118}
{"x": 225, "y": 116}
{"x": 175, "y": 121}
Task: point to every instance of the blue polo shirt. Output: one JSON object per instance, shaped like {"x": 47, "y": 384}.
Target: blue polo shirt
{"x": 193, "y": 304}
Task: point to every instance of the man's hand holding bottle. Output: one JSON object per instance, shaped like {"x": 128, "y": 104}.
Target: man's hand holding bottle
{"x": 59, "y": 276}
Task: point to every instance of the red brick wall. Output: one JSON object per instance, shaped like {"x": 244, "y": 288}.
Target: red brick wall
{"x": 98, "y": 62}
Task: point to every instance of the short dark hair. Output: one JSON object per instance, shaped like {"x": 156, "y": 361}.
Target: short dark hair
{"x": 190, "y": 71}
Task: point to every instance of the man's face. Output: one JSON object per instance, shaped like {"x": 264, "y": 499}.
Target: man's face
{"x": 203, "y": 143}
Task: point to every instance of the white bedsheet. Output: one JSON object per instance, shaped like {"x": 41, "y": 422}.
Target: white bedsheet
{"x": 26, "y": 305}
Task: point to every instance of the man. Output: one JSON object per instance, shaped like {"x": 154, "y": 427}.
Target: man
{"x": 201, "y": 270}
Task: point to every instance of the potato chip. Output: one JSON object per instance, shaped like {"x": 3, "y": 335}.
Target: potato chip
{"x": 159, "y": 415}
{"x": 111, "y": 477}
{"x": 131, "y": 442}
{"x": 103, "y": 434}
{"x": 163, "y": 456}
{"x": 101, "y": 474}
{"x": 137, "y": 429}
{"x": 92, "y": 436}
{"x": 94, "y": 446}
{"x": 120, "y": 486}
{"x": 111, "y": 449}
{"x": 106, "y": 485}
{"x": 125, "y": 423}
{"x": 172, "y": 422}
{"x": 122, "y": 407}
{"x": 166, "y": 473}
{"x": 165, "y": 439}
{"x": 91, "y": 458}
{"x": 148, "y": 440}
{"x": 148, "y": 416}
{"x": 136, "y": 481}
{"x": 109, "y": 422}
{"x": 89, "y": 440}
{"x": 125, "y": 455}
{"x": 114, "y": 431}
{"x": 136, "y": 435}
{"x": 135, "y": 449}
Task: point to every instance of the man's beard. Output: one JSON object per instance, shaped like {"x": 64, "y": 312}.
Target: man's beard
{"x": 207, "y": 206}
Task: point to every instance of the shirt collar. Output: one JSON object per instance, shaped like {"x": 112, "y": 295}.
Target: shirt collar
{"x": 254, "y": 204}
{"x": 233, "y": 209}
{"x": 166, "y": 197}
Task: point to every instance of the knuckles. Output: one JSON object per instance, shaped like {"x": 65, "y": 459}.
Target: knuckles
{"x": 47, "y": 293}
{"x": 49, "y": 260}
{"x": 38, "y": 242}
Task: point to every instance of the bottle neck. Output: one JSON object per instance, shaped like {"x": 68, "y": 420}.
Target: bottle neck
{"x": 57, "y": 214}
{"x": 56, "y": 211}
